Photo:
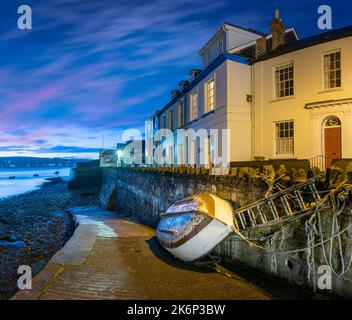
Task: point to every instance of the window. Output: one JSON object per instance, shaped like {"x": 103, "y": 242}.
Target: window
{"x": 209, "y": 101}
{"x": 171, "y": 119}
{"x": 193, "y": 112}
{"x": 332, "y": 70}
{"x": 222, "y": 45}
{"x": 206, "y": 59}
{"x": 284, "y": 81}
{"x": 180, "y": 115}
{"x": 284, "y": 134}
{"x": 164, "y": 122}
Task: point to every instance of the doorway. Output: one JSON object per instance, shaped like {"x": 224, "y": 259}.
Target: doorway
{"x": 332, "y": 140}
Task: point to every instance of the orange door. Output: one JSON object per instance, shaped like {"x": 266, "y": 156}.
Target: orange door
{"x": 333, "y": 148}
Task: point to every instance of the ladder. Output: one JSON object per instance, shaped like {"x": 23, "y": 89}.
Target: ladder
{"x": 297, "y": 199}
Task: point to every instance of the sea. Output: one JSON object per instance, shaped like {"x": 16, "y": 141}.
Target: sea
{"x": 27, "y": 179}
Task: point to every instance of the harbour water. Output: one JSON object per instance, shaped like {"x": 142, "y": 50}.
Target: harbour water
{"x": 27, "y": 179}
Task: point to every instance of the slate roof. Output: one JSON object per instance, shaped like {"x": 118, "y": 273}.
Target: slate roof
{"x": 307, "y": 42}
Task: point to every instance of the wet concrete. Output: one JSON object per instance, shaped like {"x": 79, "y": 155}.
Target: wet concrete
{"x": 110, "y": 257}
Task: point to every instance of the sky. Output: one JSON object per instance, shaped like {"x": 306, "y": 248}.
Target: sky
{"x": 91, "y": 68}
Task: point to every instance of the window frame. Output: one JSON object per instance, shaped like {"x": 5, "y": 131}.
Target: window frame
{"x": 171, "y": 120}
{"x": 206, "y": 97}
{"x": 329, "y": 53}
{"x": 288, "y": 137}
{"x": 276, "y": 86}
{"x": 180, "y": 114}
{"x": 193, "y": 115}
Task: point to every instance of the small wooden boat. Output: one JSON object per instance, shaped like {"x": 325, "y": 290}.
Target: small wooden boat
{"x": 12, "y": 177}
{"x": 57, "y": 172}
{"x": 191, "y": 228}
{"x": 36, "y": 175}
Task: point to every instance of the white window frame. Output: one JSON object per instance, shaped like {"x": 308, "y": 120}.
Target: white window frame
{"x": 193, "y": 104}
{"x": 180, "y": 111}
{"x": 277, "y": 88}
{"x": 283, "y": 139}
{"x": 171, "y": 120}
{"x": 206, "y": 97}
{"x": 325, "y": 82}
{"x": 206, "y": 58}
{"x": 222, "y": 45}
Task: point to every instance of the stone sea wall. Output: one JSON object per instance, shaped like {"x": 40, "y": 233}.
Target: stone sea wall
{"x": 144, "y": 194}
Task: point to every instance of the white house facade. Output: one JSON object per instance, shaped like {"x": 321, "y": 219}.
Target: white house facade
{"x": 273, "y": 96}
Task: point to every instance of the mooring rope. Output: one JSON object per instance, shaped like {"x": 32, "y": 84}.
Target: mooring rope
{"x": 312, "y": 230}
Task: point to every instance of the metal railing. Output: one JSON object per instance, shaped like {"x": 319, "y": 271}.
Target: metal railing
{"x": 321, "y": 162}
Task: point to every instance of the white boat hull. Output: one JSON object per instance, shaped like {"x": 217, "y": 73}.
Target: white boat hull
{"x": 202, "y": 243}
{"x": 192, "y": 228}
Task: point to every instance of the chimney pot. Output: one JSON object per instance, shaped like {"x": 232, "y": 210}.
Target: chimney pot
{"x": 277, "y": 14}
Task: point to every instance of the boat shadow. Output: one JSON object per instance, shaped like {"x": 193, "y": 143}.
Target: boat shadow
{"x": 162, "y": 254}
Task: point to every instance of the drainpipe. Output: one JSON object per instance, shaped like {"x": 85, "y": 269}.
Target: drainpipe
{"x": 252, "y": 112}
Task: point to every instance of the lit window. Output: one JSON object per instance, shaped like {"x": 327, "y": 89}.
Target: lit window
{"x": 284, "y": 134}
{"x": 180, "y": 115}
{"x": 171, "y": 119}
{"x": 193, "y": 106}
{"x": 284, "y": 81}
{"x": 209, "y": 96}
{"x": 332, "y": 70}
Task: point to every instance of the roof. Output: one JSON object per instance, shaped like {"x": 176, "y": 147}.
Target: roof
{"x": 307, "y": 42}
{"x": 248, "y": 49}
{"x": 210, "y": 68}
{"x": 221, "y": 29}
{"x": 259, "y": 33}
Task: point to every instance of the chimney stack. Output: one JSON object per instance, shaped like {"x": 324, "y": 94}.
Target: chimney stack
{"x": 260, "y": 48}
{"x": 193, "y": 74}
{"x": 277, "y": 29}
{"x": 183, "y": 84}
{"x": 175, "y": 93}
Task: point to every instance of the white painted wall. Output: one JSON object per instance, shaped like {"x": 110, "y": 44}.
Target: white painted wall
{"x": 232, "y": 111}
{"x": 308, "y": 86}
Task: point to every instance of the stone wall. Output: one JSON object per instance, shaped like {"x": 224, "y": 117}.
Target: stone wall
{"x": 144, "y": 194}
{"x": 85, "y": 177}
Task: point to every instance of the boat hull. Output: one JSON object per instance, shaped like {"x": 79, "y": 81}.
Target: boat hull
{"x": 190, "y": 229}
{"x": 203, "y": 243}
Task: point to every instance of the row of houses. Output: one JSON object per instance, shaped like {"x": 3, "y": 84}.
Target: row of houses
{"x": 259, "y": 97}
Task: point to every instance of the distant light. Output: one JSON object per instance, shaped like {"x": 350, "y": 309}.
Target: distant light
{"x": 119, "y": 153}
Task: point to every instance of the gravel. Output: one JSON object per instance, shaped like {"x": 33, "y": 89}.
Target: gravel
{"x": 34, "y": 226}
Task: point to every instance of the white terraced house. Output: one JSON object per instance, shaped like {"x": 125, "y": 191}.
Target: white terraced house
{"x": 279, "y": 96}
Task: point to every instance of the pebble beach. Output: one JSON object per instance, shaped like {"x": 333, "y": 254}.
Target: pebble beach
{"x": 34, "y": 226}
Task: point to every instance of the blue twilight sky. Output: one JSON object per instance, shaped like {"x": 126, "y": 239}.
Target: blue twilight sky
{"x": 91, "y": 67}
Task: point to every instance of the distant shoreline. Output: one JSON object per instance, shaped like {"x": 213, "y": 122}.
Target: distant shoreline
{"x": 23, "y": 180}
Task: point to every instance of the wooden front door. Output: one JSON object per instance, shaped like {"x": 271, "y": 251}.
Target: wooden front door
{"x": 333, "y": 148}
